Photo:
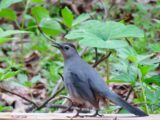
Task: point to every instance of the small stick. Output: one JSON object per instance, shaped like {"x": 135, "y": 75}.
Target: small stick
{"x": 130, "y": 91}
{"x": 102, "y": 59}
{"x": 96, "y": 55}
{"x": 30, "y": 101}
{"x": 49, "y": 99}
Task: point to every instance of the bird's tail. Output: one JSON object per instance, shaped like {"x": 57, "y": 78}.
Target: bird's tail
{"x": 119, "y": 101}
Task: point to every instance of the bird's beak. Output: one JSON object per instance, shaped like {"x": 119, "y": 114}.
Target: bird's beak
{"x": 57, "y": 45}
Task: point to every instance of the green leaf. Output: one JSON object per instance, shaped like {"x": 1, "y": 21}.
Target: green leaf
{"x": 39, "y": 13}
{"x": 22, "y": 78}
{"x": 7, "y": 3}
{"x": 155, "y": 47}
{"x": 5, "y": 108}
{"x": 8, "y": 14}
{"x": 8, "y": 75}
{"x": 35, "y": 79}
{"x": 4, "y": 40}
{"x": 67, "y": 17}
{"x": 50, "y": 26}
{"x": 129, "y": 31}
{"x": 38, "y": 1}
{"x": 80, "y": 19}
{"x": 127, "y": 53}
{"x": 11, "y": 32}
{"x": 110, "y": 44}
{"x": 100, "y": 34}
{"x": 146, "y": 68}
{"x": 123, "y": 77}
{"x": 28, "y": 84}
{"x": 154, "y": 79}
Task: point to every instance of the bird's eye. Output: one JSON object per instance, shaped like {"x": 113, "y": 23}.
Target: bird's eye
{"x": 66, "y": 47}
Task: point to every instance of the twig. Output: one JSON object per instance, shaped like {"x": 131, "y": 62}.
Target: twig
{"x": 61, "y": 76}
{"x": 49, "y": 99}
{"x": 130, "y": 91}
{"x": 44, "y": 35}
{"x": 59, "y": 98}
{"x": 57, "y": 86}
{"x": 83, "y": 51}
{"x": 30, "y": 101}
{"x": 69, "y": 107}
{"x": 107, "y": 69}
{"x": 96, "y": 55}
{"x": 102, "y": 59}
{"x": 106, "y": 11}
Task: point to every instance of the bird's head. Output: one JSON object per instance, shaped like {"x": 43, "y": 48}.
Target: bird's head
{"x": 68, "y": 49}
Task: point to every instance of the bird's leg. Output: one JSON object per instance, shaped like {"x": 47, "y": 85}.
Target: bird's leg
{"x": 77, "y": 114}
{"x": 95, "y": 114}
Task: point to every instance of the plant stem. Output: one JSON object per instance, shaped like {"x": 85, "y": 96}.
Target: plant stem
{"x": 24, "y": 12}
{"x": 108, "y": 69}
{"x": 144, "y": 96}
{"x": 22, "y": 27}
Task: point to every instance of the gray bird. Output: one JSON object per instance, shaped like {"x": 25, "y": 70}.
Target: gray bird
{"x": 84, "y": 84}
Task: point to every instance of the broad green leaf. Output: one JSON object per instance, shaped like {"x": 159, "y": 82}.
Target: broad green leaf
{"x": 8, "y": 75}
{"x": 154, "y": 79}
{"x": 38, "y": 1}
{"x": 7, "y": 3}
{"x": 8, "y": 14}
{"x": 80, "y": 19}
{"x": 146, "y": 59}
{"x": 50, "y": 26}
{"x": 39, "y": 13}
{"x": 22, "y": 78}
{"x": 35, "y": 79}
{"x": 155, "y": 47}
{"x": 127, "y": 53}
{"x": 11, "y": 32}
{"x": 28, "y": 84}
{"x": 151, "y": 95}
{"x": 129, "y": 31}
{"x": 110, "y": 44}
{"x": 123, "y": 77}
{"x": 146, "y": 68}
{"x": 4, "y": 40}
{"x": 96, "y": 34}
{"x": 67, "y": 17}
{"x": 5, "y": 108}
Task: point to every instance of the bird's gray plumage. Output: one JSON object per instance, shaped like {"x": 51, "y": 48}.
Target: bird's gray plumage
{"x": 85, "y": 84}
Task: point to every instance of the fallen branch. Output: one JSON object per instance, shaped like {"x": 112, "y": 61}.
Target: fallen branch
{"x": 28, "y": 100}
{"x": 49, "y": 99}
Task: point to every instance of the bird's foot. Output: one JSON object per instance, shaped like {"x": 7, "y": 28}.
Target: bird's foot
{"x": 95, "y": 114}
{"x": 76, "y": 115}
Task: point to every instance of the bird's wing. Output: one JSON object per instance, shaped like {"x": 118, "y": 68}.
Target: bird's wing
{"x": 83, "y": 88}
